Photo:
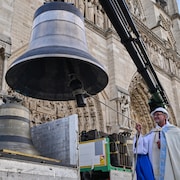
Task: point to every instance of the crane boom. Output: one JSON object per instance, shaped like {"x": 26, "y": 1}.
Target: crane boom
{"x": 119, "y": 15}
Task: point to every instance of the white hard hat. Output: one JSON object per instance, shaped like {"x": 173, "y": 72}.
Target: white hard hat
{"x": 160, "y": 109}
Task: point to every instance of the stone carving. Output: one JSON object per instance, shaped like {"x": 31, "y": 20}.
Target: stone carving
{"x": 138, "y": 92}
{"x": 166, "y": 25}
{"x": 80, "y": 118}
{"x": 173, "y": 66}
{"x": 124, "y": 106}
{"x": 160, "y": 57}
{"x": 162, "y": 3}
{"x": 81, "y": 7}
{"x": 86, "y": 119}
{"x": 120, "y": 116}
{"x": 136, "y": 8}
{"x": 43, "y": 111}
{"x": 89, "y": 13}
{"x": 100, "y": 16}
{"x": 11, "y": 99}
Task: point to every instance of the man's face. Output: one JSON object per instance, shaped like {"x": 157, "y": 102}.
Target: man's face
{"x": 160, "y": 118}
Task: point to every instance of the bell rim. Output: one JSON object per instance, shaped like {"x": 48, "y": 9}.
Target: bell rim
{"x": 85, "y": 58}
{"x": 57, "y": 51}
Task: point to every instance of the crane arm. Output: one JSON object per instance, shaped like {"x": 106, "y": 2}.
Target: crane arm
{"x": 119, "y": 15}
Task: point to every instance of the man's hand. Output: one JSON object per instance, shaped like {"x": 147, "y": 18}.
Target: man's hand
{"x": 159, "y": 144}
{"x": 138, "y": 128}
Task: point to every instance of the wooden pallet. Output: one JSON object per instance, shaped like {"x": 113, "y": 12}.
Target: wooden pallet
{"x": 27, "y": 157}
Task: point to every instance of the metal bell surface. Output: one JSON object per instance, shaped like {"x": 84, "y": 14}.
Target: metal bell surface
{"x": 57, "y": 65}
{"x": 15, "y": 129}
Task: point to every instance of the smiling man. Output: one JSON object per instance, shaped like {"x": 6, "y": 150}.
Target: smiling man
{"x": 161, "y": 146}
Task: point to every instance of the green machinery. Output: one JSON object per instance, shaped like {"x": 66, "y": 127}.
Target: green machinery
{"x": 105, "y": 154}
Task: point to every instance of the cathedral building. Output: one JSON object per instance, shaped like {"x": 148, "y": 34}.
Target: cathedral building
{"x": 124, "y": 101}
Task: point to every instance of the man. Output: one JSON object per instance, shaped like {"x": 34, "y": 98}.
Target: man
{"x": 161, "y": 145}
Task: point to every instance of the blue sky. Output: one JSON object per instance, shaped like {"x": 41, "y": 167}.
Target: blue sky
{"x": 178, "y": 1}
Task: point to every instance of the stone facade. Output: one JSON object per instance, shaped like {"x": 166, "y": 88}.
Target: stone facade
{"x": 125, "y": 99}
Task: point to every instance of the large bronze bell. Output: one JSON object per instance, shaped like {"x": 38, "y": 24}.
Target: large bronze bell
{"x": 57, "y": 65}
{"x": 15, "y": 129}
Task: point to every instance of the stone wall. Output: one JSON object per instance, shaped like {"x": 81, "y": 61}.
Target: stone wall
{"x": 125, "y": 99}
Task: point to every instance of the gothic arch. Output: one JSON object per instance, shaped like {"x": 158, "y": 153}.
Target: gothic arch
{"x": 140, "y": 111}
{"x": 139, "y": 103}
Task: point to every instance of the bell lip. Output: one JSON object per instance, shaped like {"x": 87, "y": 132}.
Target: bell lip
{"x": 54, "y": 53}
{"x": 57, "y": 51}
{"x": 49, "y": 6}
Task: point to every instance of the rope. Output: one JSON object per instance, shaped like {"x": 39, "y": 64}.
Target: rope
{"x": 129, "y": 119}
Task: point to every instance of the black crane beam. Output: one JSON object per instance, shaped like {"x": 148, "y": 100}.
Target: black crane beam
{"x": 119, "y": 15}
